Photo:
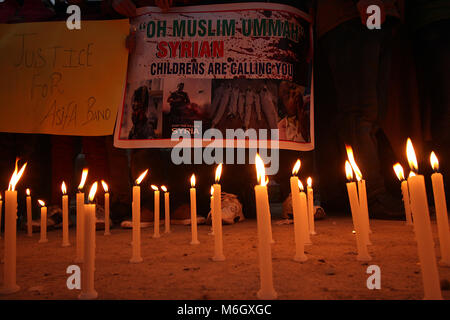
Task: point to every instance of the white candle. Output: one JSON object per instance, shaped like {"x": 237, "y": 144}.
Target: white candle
{"x": 136, "y": 221}
{"x": 363, "y": 212}
{"x": 211, "y": 205}
{"x": 310, "y": 194}
{"x": 10, "y": 253}
{"x": 362, "y": 195}
{"x": 65, "y": 216}
{"x": 304, "y": 214}
{"x": 156, "y": 213}
{"x": 422, "y": 227}
{"x": 29, "y": 214}
{"x": 267, "y": 290}
{"x": 9, "y": 271}
{"x": 441, "y": 211}
{"x": 363, "y": 254}
{"x": 295, "y": 198}
{"x": 107, "y": 222}
{"x": 80, "y": 227}
{"x": 405, "y": 192}
{"x": 43, "y": 238}
{"x": 80, "y": 218}
{"x": 87, "y": 289}
{"x": 218, "y": 241}
{"x": 166, "y": 210}
{"x": 299, "y": 239}
{"x": 193, "y": 196}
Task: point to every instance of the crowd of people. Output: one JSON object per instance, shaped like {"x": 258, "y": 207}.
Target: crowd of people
{"x": 373, "y": 89}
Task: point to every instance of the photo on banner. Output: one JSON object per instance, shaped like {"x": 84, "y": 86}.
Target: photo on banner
{"x": 233, "y": 66}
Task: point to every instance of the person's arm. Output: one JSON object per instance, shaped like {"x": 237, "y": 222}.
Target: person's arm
{"x": 128, "y": 8}
{"x": 164, "y": 5}
{"x": 124, "y": 7}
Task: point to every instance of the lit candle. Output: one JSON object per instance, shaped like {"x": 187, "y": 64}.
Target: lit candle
{"x": 267, "y": 290}
{"x": 43, "y": 238}
{"x": 441, "y": 211}
{"x": 218, "y": 241}
{"x": 362, "y": 197}
{"x": 29, "y": 214}
{"x": 295, "y": 195}
{"x": 310, "y": 194}
{"x": 136, "y": 217}
{"x": 9, "y": 265}
{"x": 107, "y": 222}
{"x": 166, "y": 210}
{"x": 87, "y": 288}
{"x": 303, "y": 212}
{"x": 65, "y": 215}
{"x": 405, "y": 192}
{"x": 422, "y": 228}
{"x": 211, "y": 205}
{"x": 193, "y": 197}
{"x": 363, "y": 254}
{"x": 80, "y": 217}
{"x": 156, "y": 213}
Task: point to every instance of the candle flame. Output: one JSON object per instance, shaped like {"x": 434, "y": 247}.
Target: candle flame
{"x": 411, "y": 174}
{"x": 105, "y": 186}
{"x": 212, "y": 190}
{"x": 83, "y": 179}
{"x": 296, "y": 167}
{"x": 348, "y": 171}
{"x": 0, "y": 196}
{"x": 93, "y": 191}
{"x": 163, "y": 188}
{"x": 141, "y": 177}
{"x": 434, "y": 161}
{"x": 42, "y": 203}
{"x": 154, "y": 187}
{"x": 351, "y": 158}
{"x": 399, "y": 171}
{"x": 16, "y": 176}
{"x": 411, "y": 154}
{"x": 193, "y": 180}
{"x": 300, "y": 185}
{"x": 260, "y": 170}
{"x": 27, "y": 192}
{"x": 218, "y": 172}
{"x": 63, "y": 187}
{"x": 309, "y": 182}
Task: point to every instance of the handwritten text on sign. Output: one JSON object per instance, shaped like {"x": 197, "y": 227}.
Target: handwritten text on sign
{"x": 59, "y": 81}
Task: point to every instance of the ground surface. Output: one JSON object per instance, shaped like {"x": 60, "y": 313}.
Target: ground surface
{"x": 174, "y": 269}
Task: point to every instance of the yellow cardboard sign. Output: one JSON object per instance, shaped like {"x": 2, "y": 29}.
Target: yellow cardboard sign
{"x": 59, "y": 81}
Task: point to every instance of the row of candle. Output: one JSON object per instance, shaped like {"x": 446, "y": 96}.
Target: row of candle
{"x": 418, "y": 203}
{"x": 136, "y": 216}
{"x": 85, "y": 235}
{"x": 440, "y": 204}
{"x": 302, "y": 214}
{"x": 416, "y": 212}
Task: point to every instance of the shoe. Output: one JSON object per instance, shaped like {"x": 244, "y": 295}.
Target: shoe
{"x": 182, "y": 216}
